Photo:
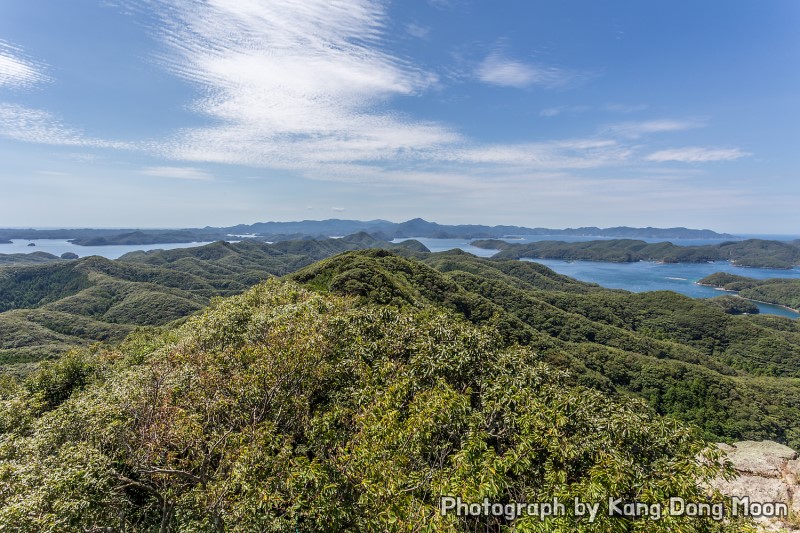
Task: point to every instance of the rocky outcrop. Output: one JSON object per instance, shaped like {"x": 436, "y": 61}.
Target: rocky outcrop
{"x": 768, "y": 472}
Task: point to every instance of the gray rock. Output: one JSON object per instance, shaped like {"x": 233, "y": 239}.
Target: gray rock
{"x": 768, "y": 472}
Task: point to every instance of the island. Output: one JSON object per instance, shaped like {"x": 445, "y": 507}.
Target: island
{"x": 34, "y": 258}
{"x": 747, "y": 253}
{"x": 778, "y": 291}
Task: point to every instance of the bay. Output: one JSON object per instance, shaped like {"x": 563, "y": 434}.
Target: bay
{"x": 60, "y": 246}
{"x": 679, "y": 277}
{"x": 640, "y": 276}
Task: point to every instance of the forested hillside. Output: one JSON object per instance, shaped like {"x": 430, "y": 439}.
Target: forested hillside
{"x": 48, "y": 309}
{"x": 774, "y": 290}
{"x": 747, "y": 253}
{"x": 734, "y": 376}
{"x": 283, "y": 409}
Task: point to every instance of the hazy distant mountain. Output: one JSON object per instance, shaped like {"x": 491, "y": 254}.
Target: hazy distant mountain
{"x": 381, "y": 229}
{"x": 418, "y": 227}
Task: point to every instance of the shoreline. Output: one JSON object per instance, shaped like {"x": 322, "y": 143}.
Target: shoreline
{"x": 736, "y": 293}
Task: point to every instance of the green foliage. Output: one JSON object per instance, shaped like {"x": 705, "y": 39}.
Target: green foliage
{"x": 98, "y": 299}
{"x": 35, "y": 258}
{"x": 658, "y": 345}
{"x": 22, "y": 287}
{"x": 750, "y": 253}
{"x": 780, "y": 291}
{"x": 283, "y": 409}
{"x": 735, "y": 306}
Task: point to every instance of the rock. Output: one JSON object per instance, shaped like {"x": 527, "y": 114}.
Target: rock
{"x": 765, "y": 458}
{"x": 768, "y": 472}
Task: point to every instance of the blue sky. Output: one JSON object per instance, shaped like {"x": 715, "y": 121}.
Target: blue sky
{"x": 183, "y": 113}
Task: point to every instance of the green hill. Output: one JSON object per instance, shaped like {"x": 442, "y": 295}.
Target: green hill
{"x": 284, "y": 409}
{"x": 747, "y": 253}
{"x": 734, "y": 376}
{"x": 780, "y": 291}
{"x": 45, "y": 310}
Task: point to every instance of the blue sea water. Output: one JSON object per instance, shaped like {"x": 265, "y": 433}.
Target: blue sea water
{"x": 679, "y": 277}
{"x": 635, "y": 277}
{"x": 60, "y": 246}
{"x": 641, "y": 276}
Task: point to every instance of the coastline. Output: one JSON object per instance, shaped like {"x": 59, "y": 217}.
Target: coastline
{"x": 736, "y": 293}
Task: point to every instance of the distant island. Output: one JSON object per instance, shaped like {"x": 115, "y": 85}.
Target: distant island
{"x": 748, "y": 253}
{"x": 34, "y": 258}
{"x": 381, "y": 229}
{"x": 778, "y": 291}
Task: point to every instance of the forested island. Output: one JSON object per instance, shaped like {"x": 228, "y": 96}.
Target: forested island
{"x": 779, "y": 291}
{"x": 33, "y": 258}
{"x": 747, "y": 253}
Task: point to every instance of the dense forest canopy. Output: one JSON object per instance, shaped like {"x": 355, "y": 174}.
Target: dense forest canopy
{"x": 283, "y": 409}
{"x": 733, "y": 376}
{"x": 778, "y": 291}
{"x": 379, "y": 377}
{"x": 747, "y": 253}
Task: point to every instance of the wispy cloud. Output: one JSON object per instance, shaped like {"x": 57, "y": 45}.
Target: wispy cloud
{"x": 36, "y": 126}
{"x": 18, "y": 71}
{"x": 415, "y": 30}
{"x": 52, "y": 173}
{"x": 697, "y": 155}
{"x": 558, "y": 110}
{"x": 181, "y": 173}
{"x": 574, "y": 109}
{"x": 442, "y": 4}
{"x": 634, "y": 130}
{"x": 555, "y": 155}
{"x": 497, "y": 69}
{"x": 292, "y": 85}
{"x": 308, "y": 87}
{"x": 624, "y": 108}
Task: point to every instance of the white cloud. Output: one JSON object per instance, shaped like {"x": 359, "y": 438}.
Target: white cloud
{"x": 16, "y": 70}
{"x": 292, "y": 85}
{"x": 36, "y": 126}
{"x": 338, "y": 209}
{"x": 558, "y": 110}
{"x": 697, "y": 155}
{"x": 571, "y": 154}
{"x": 52, "y": 173}
{"x": 497, "y": 69}
{"x": 181, "y": 173}
{"x": 415, "y": 30}
{"x": 442, "y": 4}
{"x": 624, "y": 108}
{"x": 634, "y": 130}
{"x": 308, "y": 87}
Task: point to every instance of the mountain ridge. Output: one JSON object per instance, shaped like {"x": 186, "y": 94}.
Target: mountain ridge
{"x": 273, "y": 231}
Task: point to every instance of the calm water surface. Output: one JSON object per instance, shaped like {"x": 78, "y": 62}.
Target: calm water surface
{"x": 637, "y": 277}
{"x": 59, "y": 246}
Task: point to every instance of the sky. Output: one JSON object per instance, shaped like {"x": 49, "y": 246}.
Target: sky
{"x": 547, "y": 113}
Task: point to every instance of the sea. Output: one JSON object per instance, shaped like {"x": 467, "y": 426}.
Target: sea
{"x": 59, "y": 246}
{"x": 643, "y": 275}
{"x": 635, "y": 277}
